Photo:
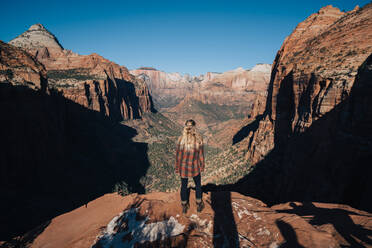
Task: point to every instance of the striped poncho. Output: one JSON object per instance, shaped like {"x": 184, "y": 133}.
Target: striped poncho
{"x": 190, "y": 162}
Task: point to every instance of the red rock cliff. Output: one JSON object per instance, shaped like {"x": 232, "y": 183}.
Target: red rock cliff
{"x": 313, "y": 90}
{"x": 56, "y": 150}
{"x": 235, "y": 87}
{"x": 313, "y": 72}
{"x": 89, "y": 80}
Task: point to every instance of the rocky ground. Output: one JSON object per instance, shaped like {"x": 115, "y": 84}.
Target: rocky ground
{"x": 228, "y": 220}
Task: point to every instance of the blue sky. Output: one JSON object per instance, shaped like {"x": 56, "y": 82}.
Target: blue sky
{"x": 174, "y": 36}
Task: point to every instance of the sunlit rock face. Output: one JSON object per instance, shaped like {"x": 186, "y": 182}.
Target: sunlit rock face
{"x": 235, "y": 87}
{"x": 219, "y": 102}
{"x": 19, "y": 68}
{"x": 90, "y": 80}
{"x": 37, "y": 37}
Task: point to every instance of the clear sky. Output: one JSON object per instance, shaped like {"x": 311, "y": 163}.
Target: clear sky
{"x": 174, "y": 36}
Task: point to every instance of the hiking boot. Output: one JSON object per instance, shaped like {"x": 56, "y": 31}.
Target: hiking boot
{"x": 200, "y": 206}
{"x": 185, "y": 207}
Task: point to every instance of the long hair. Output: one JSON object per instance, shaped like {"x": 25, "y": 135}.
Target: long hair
{"x": 190, "y": 139}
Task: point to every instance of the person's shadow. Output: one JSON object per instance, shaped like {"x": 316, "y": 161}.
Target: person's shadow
{"x": 339, "y": 218}
{"x": 225, "y": 233}
{"x": 288, "y": 234}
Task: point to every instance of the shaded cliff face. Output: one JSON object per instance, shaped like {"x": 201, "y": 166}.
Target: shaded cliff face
{"x": 90, "y": 80}
{"x": 55, "y": 153}
{"x": 306, "y": 140}
{"x": 313, "y": 72}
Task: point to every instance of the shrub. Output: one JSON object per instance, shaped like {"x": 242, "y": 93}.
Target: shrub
{"x": 351, "y": 52}
{"x": 78, "y": 74}
{"x": 122, "y": 188}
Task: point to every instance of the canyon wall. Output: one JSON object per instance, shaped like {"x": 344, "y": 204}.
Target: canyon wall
{"x": 313, "y": 141}
{"x": 214, "y": 100}
{"x": 90, "y": 80}
{"x": 236, "y": 87}
{"x": 56, "y": 154}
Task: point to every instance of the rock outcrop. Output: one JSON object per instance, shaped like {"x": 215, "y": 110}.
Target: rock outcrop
{"x": 307, "y": 141}
{"x": 228, "y": 219}
{"x": 314, "y": 71}
{"x": 232, "y": 88}
{"x": 90, "y": 80}
{"x": 167, "y": 89}
{"x": 214, "y": 100}
{"x": 38, "y": 39}
{"x": 56, "y": 154}
{"x": 20, "y": 68}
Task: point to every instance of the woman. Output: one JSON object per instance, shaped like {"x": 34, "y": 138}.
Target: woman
{"x": 190, "y": 163}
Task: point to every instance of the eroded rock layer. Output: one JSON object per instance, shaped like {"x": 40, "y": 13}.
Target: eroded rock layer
{"x": 232, "y": 88}
{"x": 314, "y": 140}
{"x": 56, "y": 154}
{"x": 90, "y": 80}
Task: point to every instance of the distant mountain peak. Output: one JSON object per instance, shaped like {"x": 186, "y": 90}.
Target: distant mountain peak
{"x": 239, "y": 69}
{"x": 37, "y": 36}
{"x": 329, "y": 10}
{"x": 262, "y": 68}
{"x": 37, "y": 26}
{"x": 236, "y": 70}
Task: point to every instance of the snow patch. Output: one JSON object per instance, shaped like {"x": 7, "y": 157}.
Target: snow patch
{"x": 125, "y": 231}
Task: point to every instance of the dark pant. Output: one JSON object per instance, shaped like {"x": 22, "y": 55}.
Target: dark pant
{"x": 198, "y": 192}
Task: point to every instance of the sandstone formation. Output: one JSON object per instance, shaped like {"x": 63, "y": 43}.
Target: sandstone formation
{"x": 213, "y": 100}
{"x": 38, "y": 37}
{"x": 20, "y": 68}
{"x": 313, "y": 141}
{"x": 230, "y": 219}
{"x": 90, "y": 80}
{"x": 56, "y": 154}
{"x": 231, "y": 87}
{"x": 236, "y": 87}
{"x": 315, "y": 69}
{"x": 167, "y": 89}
